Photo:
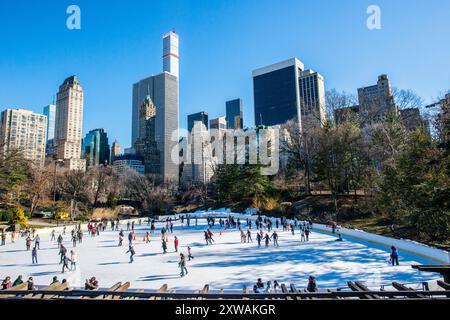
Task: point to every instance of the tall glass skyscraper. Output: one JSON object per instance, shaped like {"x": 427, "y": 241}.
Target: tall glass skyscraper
{"x": 50, "y": 112}
{"x": 96, "y": 147}
{"x": 234, "y": 114}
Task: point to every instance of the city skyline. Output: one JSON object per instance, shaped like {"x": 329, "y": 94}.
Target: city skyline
{"x": 137, "y": 57}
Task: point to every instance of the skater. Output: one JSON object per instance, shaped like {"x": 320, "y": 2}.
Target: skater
{"x": 210, "y": 234}
{"x": 171, "y": 227}
{"x": 65, "y": 262}
{"x": 258, "y": 238}
{"x": 394, "y": 256}
{"x": 60, "y": 240}
{"x": 64, "y": 230}
{"x": 307, "y": 232}
{"x": 74, "y": 240}
{"x": 243, "y": 236}
{"x": 147, "y": 237}
{"x": 275, "y": 238}
{"x": 267, "y": 239}
{"x": 55, "y": 280}
{"x": 175, "y": 242}
{"x": 164, "y": 246}
{"x": 249, "y": 236}
{"x": 3, "y": 238}
{"x": 190, "y": 256}
{"x": 207, "y": 238}
{"x": 37, "y": 242}
{"x": 303, "y": 237}
{"x": 312, "y": 285}
{"x": 34, "y": 259}
{"x": 182, "y": 265}
{"x": 339, "y": 237}
{"x": 73, "y": 260}
{"x": 53, "y": 235}
{"x": 132, "y": 253}
{"x": 62, "y": 253}
{"x": 28, "y": 243}
{"x": 130, "y": 238}
{"x": 128, "y": 226}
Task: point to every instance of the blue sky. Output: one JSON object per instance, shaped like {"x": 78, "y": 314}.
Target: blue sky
{"x": 221, "y": 42}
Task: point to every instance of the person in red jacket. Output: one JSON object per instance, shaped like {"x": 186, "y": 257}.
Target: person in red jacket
{"x": 175, "y": 242}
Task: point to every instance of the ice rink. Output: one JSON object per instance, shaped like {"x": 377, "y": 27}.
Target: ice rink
{"x": 227, "y": 264}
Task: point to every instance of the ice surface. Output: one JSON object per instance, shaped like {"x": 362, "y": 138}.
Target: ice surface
{"x": 227, "y": 264}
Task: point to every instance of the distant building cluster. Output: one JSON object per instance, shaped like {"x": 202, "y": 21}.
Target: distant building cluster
{"x": 282, "y": 91}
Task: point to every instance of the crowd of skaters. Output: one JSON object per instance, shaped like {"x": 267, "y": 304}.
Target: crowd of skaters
{"x": 266, "y": 232}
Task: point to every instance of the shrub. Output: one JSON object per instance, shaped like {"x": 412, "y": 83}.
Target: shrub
{"x": 18, "y": 217}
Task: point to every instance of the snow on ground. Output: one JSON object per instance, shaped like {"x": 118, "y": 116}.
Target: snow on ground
{"x": 227, "y": 264}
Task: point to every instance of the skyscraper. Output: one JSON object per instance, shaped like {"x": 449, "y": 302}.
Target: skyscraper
{"x": 96, "y": 147}
{"x": 284, "y": 90}
{"x": 50, "y": 112}
{"x": 170, "y": 53}
{"x": 69, "y": 123}
{"x": 24, "y": 130}
{"x": 201, "y": 116}
{"x": 234, "y": 114}
{"x": 115, "y": 150}
{"x": 376, "y": 102}
{"x": 312, "y": 98}
{"x": 162, "y": 89}
{"x": 276, "y": 92}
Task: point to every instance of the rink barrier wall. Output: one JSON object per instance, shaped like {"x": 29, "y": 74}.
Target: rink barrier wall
{"x": 410, "y": 246}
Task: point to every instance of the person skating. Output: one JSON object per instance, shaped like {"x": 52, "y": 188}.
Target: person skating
{"x": 62, "y": 253}
{"x": 3, "y": 238}
{"x": 164, "y": 246}
{"x": 175, "y": 243}
{"x": 55, "y": 280}
{"x": 243, "y": 236}
{"x": 80, "y": 236}
{"x": 190, "y": 256}
{"x": 120, "y": 239}
{"x": 18, "y": 281}
{"x": 130, "y": 238}
{"x": 34, "y": 259}
{"x": 128, "y": 226}
{"x": 267, "y": 240}
{"x": 258, "y": 238}
{"x": 249, "y": 236}
{"x": 74, "y": 240}
{"x": 275, "y": 238}
{"x": 339, "y": 237}
{"x": 303, "y": 236}
{"x": 171, "y": 227}
{"x": 307, "y": 232}
{"x": 147, "y": 237}
{"x": 65, "y": 263}
{"x": 132, "y": 253}
{"x": 182, "y": 265}
{"x": 206, "y": 237}
{"x": 60, "y": 240}
{"x": 53, "y": 235}
{"x": 394, "y": 256}
{"x": 73, "y": 260}
{"x": 37, "y": 242}
{"x": 210, "y": 234}
{"x": 28, "y": 243}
